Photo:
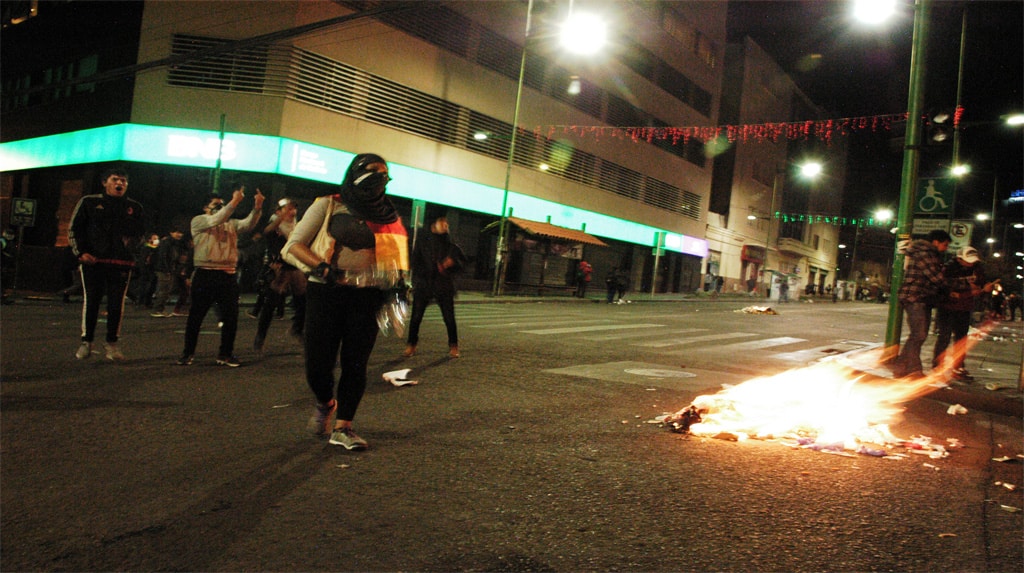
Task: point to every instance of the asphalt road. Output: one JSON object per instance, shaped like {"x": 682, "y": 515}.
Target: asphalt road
{"x": 531, "y": 452}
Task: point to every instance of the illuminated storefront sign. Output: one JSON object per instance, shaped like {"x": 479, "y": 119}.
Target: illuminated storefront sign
{"x": 270, "y": 154}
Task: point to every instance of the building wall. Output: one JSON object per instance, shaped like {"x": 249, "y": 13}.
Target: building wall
{"x": 760, "y": 180}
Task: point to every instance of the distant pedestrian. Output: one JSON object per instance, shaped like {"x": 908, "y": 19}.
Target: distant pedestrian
{"x": 143, "y": 283}
{"x": 784, "y": 290}
{"x": 356, "y": 247}
{"x": 215, "y": 258}
{"x": 611, "y": 284}
{"x": 105, "y": 230}
{"x": 436, "y": 259}
{"x": 719, "y": 284}
{"x": 621, "y": 286}
{"x": 584, "y": 273}
{"x": 953, "y": 313}
{"x": 997, "y": 303}
{"x": 171, "y": 267}
{"x": 285, "y": 279}
{"x": 1015, "y": 304}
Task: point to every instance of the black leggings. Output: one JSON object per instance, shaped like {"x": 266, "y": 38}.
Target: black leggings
{"x": 345, "y": 318}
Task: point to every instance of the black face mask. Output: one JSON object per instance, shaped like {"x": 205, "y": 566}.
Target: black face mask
{"x": 363, "y": 190}
{"x": 215, "y": 208}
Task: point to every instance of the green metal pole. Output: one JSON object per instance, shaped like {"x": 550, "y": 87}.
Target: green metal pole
{"x": 908, "y": 183}
{"x": 500, "y": 256}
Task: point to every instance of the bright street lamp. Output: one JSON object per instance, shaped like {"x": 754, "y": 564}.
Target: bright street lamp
{"x": 579, "y": 30}
{"x": 808, "y": 170}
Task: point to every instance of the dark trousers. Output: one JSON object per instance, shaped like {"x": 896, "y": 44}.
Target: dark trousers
{"x": 340, "y": 318}
{"x": 211, "y": 287}
{"x": 919, "y": 317}
{"x": 288, "y": 280}
{"x": 951, "y": 324}
{"x": 99, "y": 281}
{"x": 446, "y": 302}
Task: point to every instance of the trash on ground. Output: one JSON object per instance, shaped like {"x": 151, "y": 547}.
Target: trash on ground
{"x": 1009, "y": 508}
{"x": 397, "y": 377}
{"x": 956, "y": 409}
{"x": 758, "y": 310}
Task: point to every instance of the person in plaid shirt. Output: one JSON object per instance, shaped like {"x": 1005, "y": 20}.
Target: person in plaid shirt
{"x": 923, "y": 287}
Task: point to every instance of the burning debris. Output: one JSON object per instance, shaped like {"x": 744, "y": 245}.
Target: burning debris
{"x": 758, "y": 310}
{"x": 825, "y": 407}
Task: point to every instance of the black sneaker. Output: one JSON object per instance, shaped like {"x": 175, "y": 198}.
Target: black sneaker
{"x": 185, "y": 360}
{"x": 228, "y": 361}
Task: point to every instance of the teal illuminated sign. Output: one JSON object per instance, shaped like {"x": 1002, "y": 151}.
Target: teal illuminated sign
{"x": 278, "y": 155}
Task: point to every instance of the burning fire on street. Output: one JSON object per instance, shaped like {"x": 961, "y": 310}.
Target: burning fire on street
{"x": 827, "y": 407}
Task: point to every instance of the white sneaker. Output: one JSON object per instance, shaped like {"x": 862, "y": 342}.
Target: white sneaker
{"x": 348, "y": 439}
{"x": 84, "y": 351}
{"x": 113, "y": 352}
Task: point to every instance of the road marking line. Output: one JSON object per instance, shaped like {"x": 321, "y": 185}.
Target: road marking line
{"x": 766, "y": 343}
{"x": 588, "y": 328}
{"x": 695, "y": 339}
{"x": 620, "y": 336}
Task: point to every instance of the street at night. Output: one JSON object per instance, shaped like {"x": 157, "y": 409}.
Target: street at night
{"x": 534, "y": 451}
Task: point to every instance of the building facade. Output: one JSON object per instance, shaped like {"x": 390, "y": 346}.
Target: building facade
{"x": 415, "y": 83}
{"x": 767, "y": 223}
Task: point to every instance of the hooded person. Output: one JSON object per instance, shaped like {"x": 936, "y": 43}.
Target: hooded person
{"x": 964, "y": 278}
{"x": 354, "y": 247}
{"x": 436, "y": 259}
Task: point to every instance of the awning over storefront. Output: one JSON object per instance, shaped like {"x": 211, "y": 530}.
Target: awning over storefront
{"x": 554, "y": 231}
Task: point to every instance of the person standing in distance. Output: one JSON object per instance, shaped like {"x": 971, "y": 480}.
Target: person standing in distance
{"x": 215, "y": 258}
{"x": 287, "y": 278}
{"x": 953, "y": 316}
{"x": 365, "y": 253}
{"x": 105, "y": 232}
{"x": 435, "y": 261}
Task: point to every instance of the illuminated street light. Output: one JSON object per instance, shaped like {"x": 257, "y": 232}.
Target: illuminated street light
{"x": 1015, "y": 119}
{"x": 873, "y": 11}
{"x": 809, "y": 170}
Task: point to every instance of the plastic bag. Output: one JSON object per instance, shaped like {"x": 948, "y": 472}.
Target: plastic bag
{"x": 393, "y": 316}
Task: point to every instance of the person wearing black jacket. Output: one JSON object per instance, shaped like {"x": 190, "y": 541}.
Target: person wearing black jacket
{"x": 435, "y": 260}
{"x": 953, "y": 315}
{"x": 105, "y": 231}
{"x": 171, "y": 269}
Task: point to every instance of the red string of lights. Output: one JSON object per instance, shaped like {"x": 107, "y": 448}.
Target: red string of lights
{"x": 823, "y": 129}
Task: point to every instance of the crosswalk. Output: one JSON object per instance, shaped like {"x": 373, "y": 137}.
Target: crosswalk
{"x": 644, "y": 332}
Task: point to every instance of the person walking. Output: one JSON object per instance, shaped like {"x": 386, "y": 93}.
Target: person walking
{"x": 621, "y": 286}
{"x": 923, "y": 283}
{"x": 104, "y": 232}
{"x": 435, "y": 261}
{"x": 953, "y": 314}
{"x": 215, "y": 258}
{"x": 143, "y": 283}
{"x": 171, "y": 268}
{"x": 584, "y": 272}
{"x": 611, "y": 284}
{"x": 286, "y": 280}
{"x": 1014, "y": 303}
{"x": 355, "y": 247}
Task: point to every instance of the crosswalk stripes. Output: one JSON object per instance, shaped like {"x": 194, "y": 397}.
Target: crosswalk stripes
{"x": 693, "y": 340}
{"x": 575, "y": 329}
{"x": 650, "y": 335}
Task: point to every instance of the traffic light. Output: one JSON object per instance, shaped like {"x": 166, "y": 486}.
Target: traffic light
{"x": 939, "y": 127}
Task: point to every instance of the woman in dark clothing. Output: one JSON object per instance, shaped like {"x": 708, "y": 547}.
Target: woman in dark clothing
{"x": 435, "y": 259}
{"x": 363, "y": 252}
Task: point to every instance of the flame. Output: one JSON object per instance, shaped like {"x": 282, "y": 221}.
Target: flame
{"x": 826, "y": 404}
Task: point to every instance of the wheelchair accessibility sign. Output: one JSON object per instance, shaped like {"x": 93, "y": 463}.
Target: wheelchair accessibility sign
{"x": 934, "y": 195}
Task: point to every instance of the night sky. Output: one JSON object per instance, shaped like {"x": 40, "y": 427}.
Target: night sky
{"x": 853, "y": 71}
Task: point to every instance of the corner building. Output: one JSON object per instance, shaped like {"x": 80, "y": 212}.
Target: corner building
{"x": 281, "y": 94}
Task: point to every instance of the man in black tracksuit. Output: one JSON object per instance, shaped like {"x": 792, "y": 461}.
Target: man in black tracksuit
{"x": 105, "y": 232}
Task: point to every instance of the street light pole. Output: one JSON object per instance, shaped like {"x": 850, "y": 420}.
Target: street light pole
{"x": 768, "y": 237}
{"x": 904, "y": 219}
{"x": 502, "y": 253}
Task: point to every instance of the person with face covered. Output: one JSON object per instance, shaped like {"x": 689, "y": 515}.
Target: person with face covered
{"x": 435, "y": 262}
{"x": 215, "y": 259}
{"x": 362, "y": 252}
{"x": 105, "y": 231}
